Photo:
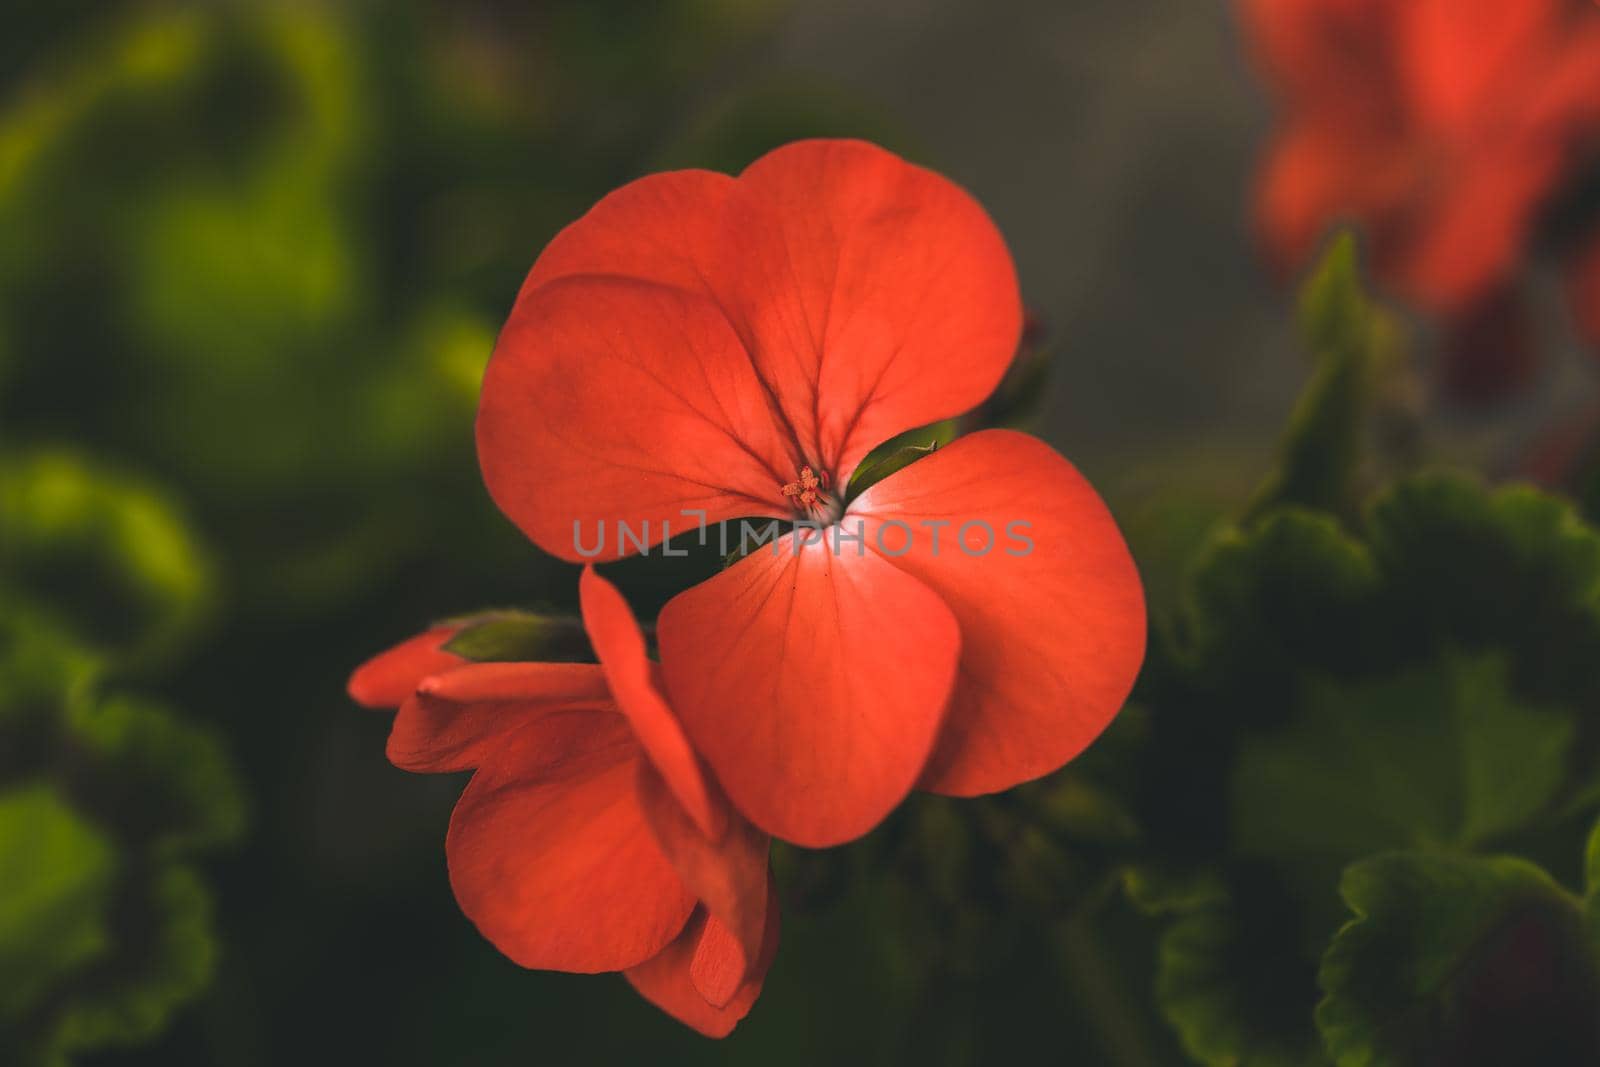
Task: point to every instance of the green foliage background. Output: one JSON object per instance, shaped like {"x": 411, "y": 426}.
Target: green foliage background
{"x": 252, "y": 261}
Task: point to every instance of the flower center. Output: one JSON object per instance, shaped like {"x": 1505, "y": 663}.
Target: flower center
{"x": 810, "y": 495}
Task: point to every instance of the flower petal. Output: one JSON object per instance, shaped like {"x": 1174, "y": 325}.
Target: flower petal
{"x": 611, "y": 400}
{"x": 550, "y": 855}
{"x": 847, "y": 272}
{"x": 1459, "y": 54}
{"x": 728, "y": 876}
{"x": 667, "y": 983}
{"x": 1052, "y": 631}
{"x": 669, "y": 228}
{"x": 1315, "y": 175}
{"x": 812, "y": 683}
{"x": 620, "y": 646}
{"x": 875, "y": 295}
{"x": 457, "y": 720}
{"x": 388, "y": 678}
{"x": 1471, "y": 232}
{"x": 1319, "y": 50}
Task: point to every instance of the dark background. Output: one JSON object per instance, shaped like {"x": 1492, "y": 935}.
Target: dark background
{"x": 255, "y": 256}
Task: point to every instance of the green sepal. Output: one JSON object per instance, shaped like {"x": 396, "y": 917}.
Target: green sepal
{"x": 522, "y": 637}
{"x": 877, "y": 467}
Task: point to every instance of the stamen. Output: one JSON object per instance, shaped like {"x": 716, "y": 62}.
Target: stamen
{"x": 809, "y": 491}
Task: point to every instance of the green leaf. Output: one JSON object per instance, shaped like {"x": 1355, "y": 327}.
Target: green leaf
{"x": 1234, "y": 980}
{"x": 1438, "y": 755}
{"x": 1461, "y": 961}
{"x": 57, "y": 873}
{"x": 1514, "y": 569}
{"x": 161, "y": 782}
{"x": 168, "y": 956}
{"x": 107, "y": 557}
{"x": 1591, "y": 867}
{"x": 1320, "y": 454}
{"x": 516, "y": 637}
{"x": 1292, "y": 592}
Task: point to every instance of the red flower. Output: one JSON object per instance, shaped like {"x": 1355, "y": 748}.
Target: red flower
{"x": 1443, "y": 127}
{"x": 589, "y": 839}
{"x": 737, "y": 346}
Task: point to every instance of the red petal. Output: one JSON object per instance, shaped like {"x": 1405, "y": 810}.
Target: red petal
{"x": 879, "y": 297}
{"x": 610, "y": 400}
{"x": 1475, "y": 227}
{"x": 1463, "y": 58}
{"x": 1564, "y": 99}
{"x": 1323, "y": 53}
{"x": 872, "y": 295}
{"x": 385, "y": 680}
{"x": 813, "y": 684}
{"x": 1316, "y": 175}
{"x": 457, "y": 720}
{"x": 728, "y": 876}
{"x": 550, "y": 855}
{"x": 1052, "y": 638}
{"x": 667, "y": 983}
{"x": 668, "y": 228}
{"x": 620, "y": 646}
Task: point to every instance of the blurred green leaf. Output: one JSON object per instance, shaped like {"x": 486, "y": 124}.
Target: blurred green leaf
{"x": 1233, "y": 982}
{"x": 1461, "y": 961}
{"x": 1349, "y": 335}
{"x": 1592, "y": 884}
{"x": 165, "y": 784}
{"x": 106, "y": 556}
{"x": 1436, "y": 756}
{"x": 102, "y": 793}
{"x": 167, "y": 958}
{"x": 57, "y": 874}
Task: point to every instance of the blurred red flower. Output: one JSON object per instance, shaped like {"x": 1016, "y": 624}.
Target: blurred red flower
{"x": 588, "y": 839}
{"x": 736, "y": 346}
{"x": 1445, "y": 128}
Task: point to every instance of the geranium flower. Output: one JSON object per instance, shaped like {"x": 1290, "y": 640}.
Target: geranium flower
{"x": 735, "y": 347}
{"x": 588, "y": 839}
{"x": 1445, "y": 128}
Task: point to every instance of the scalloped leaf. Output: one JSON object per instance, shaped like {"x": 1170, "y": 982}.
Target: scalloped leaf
{"x": 1234, "y": 982}
{"x": 1514, "y": 569}
{"x": 1438, "y": 755}
{"x": 166, "y": 955}
{"x": 160, "y": 781}
{"x": 57, "y": 875}
{"x": 107, "y": 557}
{"x": 1461, "y": 961}
{"x": 1292, "y": 592}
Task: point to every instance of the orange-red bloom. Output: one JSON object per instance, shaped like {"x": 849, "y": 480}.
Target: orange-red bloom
{"x": 735, "y": 347}
{"x": 1445, "y": 128}
{"x": 588, "y": 839}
